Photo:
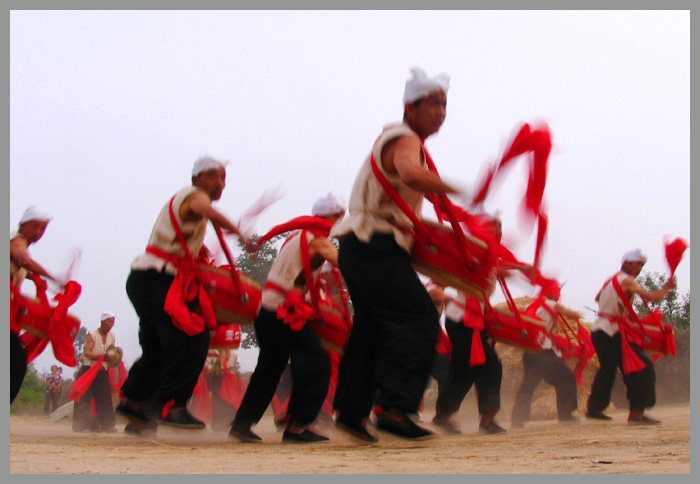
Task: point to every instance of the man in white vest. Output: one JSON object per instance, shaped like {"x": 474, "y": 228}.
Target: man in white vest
{"x": 173, "y": 350}
{"x": 100, "y": 390}
{"x": 607, "y": 340}
{"x": 389, "y": 354}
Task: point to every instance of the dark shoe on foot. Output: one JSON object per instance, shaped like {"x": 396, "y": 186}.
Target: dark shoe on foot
{"x": 133, "y": 411}
{"x": 447, "y": 425}
{"x": 354, "y": 428}
{"x": 244, "y": 434}
{"x": 597, "y": 415}
{"x": 182, "y": 419}
{"x": 306, "y": 437}
{"x": 642, "y": 419}
{"x": 491, "y": 428}
{"x": 399, "y": 424}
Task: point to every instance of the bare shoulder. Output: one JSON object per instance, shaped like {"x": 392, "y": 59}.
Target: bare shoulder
{"x": 409, "y": 144}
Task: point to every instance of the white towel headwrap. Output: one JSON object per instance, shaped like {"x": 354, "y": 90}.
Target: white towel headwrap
{"x": 205, "y": 163}
{"x": 420, "y": 85}
{"x": 635, "y": 255}
{"x": 33, "y": 213}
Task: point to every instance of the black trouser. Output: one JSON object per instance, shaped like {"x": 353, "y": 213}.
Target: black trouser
{"x": 441, "y": 369}
{"x": 101, "y": 391}
{"x": 641, "y": 391}
{"x": 462, "y": 375}
{"x": 171, "y": 361}
{"x": 51, "y": 401}
{"x": 391, "y": 347}
{"x": 309, "y": 364}
{"x": 18, "y": 365}
{"x": 548, "y": 366}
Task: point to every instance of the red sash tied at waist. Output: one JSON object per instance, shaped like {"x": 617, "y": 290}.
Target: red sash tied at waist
{"x": 185, "y": 288}
{"x": 294, "y": 311}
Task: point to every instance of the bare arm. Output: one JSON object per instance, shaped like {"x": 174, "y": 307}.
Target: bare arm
{"x": 198, "y": 205}
{"x": 402, "y": 157}
{"x": 324, "y": 248}
{"x": 631, "y": 286}
{"x": 89, "y": 346}
{"x": 18, "y": 252}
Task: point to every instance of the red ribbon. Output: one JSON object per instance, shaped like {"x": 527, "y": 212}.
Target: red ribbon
{"x": 294, "y": 311}
{"x": 81, "y": 385}
{"x": 674, "y": 253}
{"x": 232, "y": 388}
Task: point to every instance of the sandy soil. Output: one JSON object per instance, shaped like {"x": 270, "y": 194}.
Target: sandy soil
{"x": 38, "y": 446}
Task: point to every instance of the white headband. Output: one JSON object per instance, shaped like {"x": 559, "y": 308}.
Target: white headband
{"x": 205, "y": 163}
{"x": 107, "y": 315}
{"x": 33, "y": 213}
{"x": 328, "y": 205}
{"x": 635, "y": 255}
{"x": 420, "y": 86}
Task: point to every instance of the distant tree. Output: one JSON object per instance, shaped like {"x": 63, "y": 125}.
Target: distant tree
{"x": 31, "y": 394}
{"x": 79, "y": 342}
{"x": 675, "y": 309}
{"x": 256, "y": 266}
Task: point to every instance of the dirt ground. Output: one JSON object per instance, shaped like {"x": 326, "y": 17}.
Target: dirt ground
{"x": 38, "y": 446}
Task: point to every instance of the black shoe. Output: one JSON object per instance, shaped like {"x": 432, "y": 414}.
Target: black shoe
{"x": 597, "y": 415}
{"x": 399, "y": 424}
{"x": 133, "y": 411}
{"x": 355, "y": 429}
{"x": 306, "y": 437}
{"x": 180, "y": 418}
{"x": 447, "y": 425}
{"x": 244, "y": 434}
{"x": 491, "y": 428}
{"x": 642, "y": 419}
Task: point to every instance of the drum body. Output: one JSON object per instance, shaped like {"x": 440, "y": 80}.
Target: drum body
{"x": 230, "y": 307}
{"x": 441, "y": 260}
{"x": 225, "y": 337}
{"x": 655, "y": 339}
{"x": 502, "y": 325}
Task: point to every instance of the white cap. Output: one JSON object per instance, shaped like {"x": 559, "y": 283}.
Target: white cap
{"x": 635, "y": 255}
{"x": 205, "y": 163}
{"x": 420, "y": 86}
{"x": 33, "y": 213}
{"x": 107, "y": 315}
{"x": 328, "y": 205}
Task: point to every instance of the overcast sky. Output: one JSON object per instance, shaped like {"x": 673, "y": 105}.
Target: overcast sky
{"x": 109, "y": 110}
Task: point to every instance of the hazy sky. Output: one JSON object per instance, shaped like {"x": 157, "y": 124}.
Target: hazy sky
{"x": 109, "y": 109}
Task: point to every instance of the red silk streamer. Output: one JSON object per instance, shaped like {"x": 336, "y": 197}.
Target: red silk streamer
{"x": 674, "y": 253}
{"x": 538, "y": 142}
{"x": 232, "y": 388}
{"x": 201, "y": 399}
{"x": 62, "y": 330}
{"x": 319, "y": 227}
{"x": 81, "y": 385}
{"x": 121, "y": 378}
{"x": 443, "y": 345}
{"x": 474, "y": 318}
{"x": 631, "y": 362}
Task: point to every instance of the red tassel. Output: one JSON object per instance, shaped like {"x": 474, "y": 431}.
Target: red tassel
{"x": 477, "y": 355}
{"x": 674, "y": 253}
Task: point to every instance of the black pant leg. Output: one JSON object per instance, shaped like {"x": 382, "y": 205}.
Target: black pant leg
{"x": 488, "y": 378}
{"x": 460, "y": 378}
{"x": 641, "y": 385}
{"x": 18, "y": 365}
{"x": 562, "y": 378}
{"x": 532, "y": 376}
{"x": 102, "y": 393}
{"x": 609, "y": 351}
{"x": 274, "y": 354}
{"x": 82, "y": 412}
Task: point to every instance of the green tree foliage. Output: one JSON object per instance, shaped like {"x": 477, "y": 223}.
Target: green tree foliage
{"x": 79, "y": 342}
{"x": 31, "y": 394}
{"x": 256, "y": 265}
{"x": 674, "y": 307}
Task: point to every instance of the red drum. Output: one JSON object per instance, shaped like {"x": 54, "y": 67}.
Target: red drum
{"x": 229, "y": 306}
{"x": 655, "y": 338}
{"x": 442, "y": 261}
{"x": 502, "y": 325}
{"x": 331, "y": 327}
{"x": 225, "y": 337}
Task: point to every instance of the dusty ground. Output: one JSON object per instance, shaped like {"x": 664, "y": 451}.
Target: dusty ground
{"x": 38, "y": 446}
